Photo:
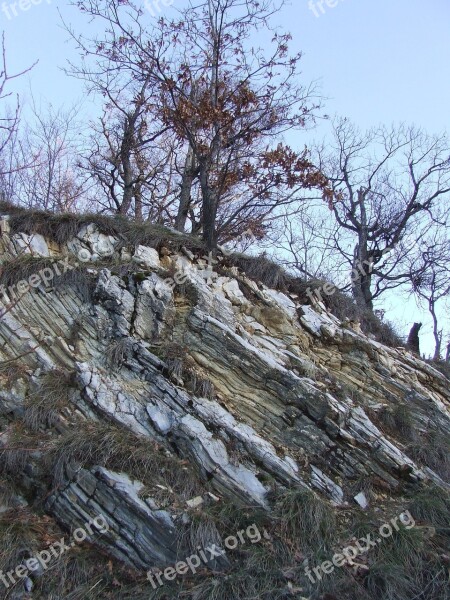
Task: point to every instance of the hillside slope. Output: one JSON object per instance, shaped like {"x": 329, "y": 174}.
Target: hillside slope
{"x": 182, "y": 402}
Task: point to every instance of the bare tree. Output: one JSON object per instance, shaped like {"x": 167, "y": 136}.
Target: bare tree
{"x": 9, "y": 122}
{"x": 390, "y": 185}
{"x": 304, "y": 240}
{"x": 131, "y": 154}
{"x": 430, "y": 280}
{"x": 52, "y": 181}
{"x": 130, "y": 160}
{"x": 227, "y": 103}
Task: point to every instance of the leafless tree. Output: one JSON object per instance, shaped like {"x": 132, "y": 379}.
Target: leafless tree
{"x": 9, "y": 122}
{"x": 391, "y": 188}
{"x": 131, "y": 163}
{"x": 430, "y": 280}
{"x": 304, "y": 240}
{"x": 52, "y": 180}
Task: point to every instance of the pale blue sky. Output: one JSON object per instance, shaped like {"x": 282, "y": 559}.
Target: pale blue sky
{"x": 383, "y": 60}
{"x": 377, "y": 61}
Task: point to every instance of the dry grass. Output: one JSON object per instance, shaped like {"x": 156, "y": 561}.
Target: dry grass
{"x": 23, "y": 534}
{"x": 432, "y": 449}
{"x": 442, "y": 366}
{"x": 305, "y": 520}
{"x": 431, "y": 505}
{"x": 180, "y": 367}
{"x": 19, "y": 449}
{"x": 120, "y": 450}
{"x": 44, "y": 405}
{"x": 116, "y": 353}
{"x": 260, "y": 269}
{"x": 12, "y": 371}
{"x": 8, "y": 493}
{"x": 24, "y": 266}
{"x": 62, "y": 227}
{"x": 397, "y": 421}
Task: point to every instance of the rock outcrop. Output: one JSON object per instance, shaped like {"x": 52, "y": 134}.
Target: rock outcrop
{"x": 254, "y": 390}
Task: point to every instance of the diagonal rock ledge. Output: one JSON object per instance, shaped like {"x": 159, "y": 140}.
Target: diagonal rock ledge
{"x": 275, "y": 419}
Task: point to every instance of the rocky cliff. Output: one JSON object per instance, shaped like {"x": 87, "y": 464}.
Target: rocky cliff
{"x": 180, "y": 399}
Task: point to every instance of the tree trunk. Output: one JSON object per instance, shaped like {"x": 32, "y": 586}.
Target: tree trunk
{"x": 209, "y": 197}
{"x": 209, "y": 224}
{"x": 436, "y": 334}
{"x": 413, "y": 342}
{"x": 185, "y": 194}
{"x": 138, "y": 216}
{"x": 362, "y": 290}
{"x": 362, "y": 278}
{"x": 362, "y": 261}
{"x": 125, "y": 158}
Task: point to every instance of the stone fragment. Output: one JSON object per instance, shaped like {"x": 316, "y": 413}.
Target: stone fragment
{"x": 147, "y": 257}
{"x": 361, "y": 500}
{"x": 195, "y": 502}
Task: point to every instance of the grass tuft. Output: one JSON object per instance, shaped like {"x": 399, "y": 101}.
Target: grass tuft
{"x": 306, "y": 521}
{"x": 432, "y": 449}
{"x": 432, "y": 505}
{"x": 115, "y": 448}
{"x": 43, "y": 407}
{"x": 260, "y": 269}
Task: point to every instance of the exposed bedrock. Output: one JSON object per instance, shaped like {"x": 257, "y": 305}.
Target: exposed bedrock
{"x": 293, "y": 394}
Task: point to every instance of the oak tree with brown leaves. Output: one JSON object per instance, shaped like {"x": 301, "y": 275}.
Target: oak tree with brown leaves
{"x": 227, "y": 103}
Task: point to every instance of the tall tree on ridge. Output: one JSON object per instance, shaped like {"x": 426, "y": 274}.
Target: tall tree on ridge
{"x": 226, "y": 102}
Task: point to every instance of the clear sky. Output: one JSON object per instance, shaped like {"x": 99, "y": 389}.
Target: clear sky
{"x": 377, "y": 61}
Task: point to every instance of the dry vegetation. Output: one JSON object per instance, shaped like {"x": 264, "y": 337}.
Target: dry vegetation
{"x": 301, "y": 530}
{"x": 263, "y": 270}
{"x": 61, "y": 228}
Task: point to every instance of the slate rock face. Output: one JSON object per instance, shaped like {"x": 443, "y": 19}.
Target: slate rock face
{"x": 130, "y": 529}
{"x": 295, "y": 393}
